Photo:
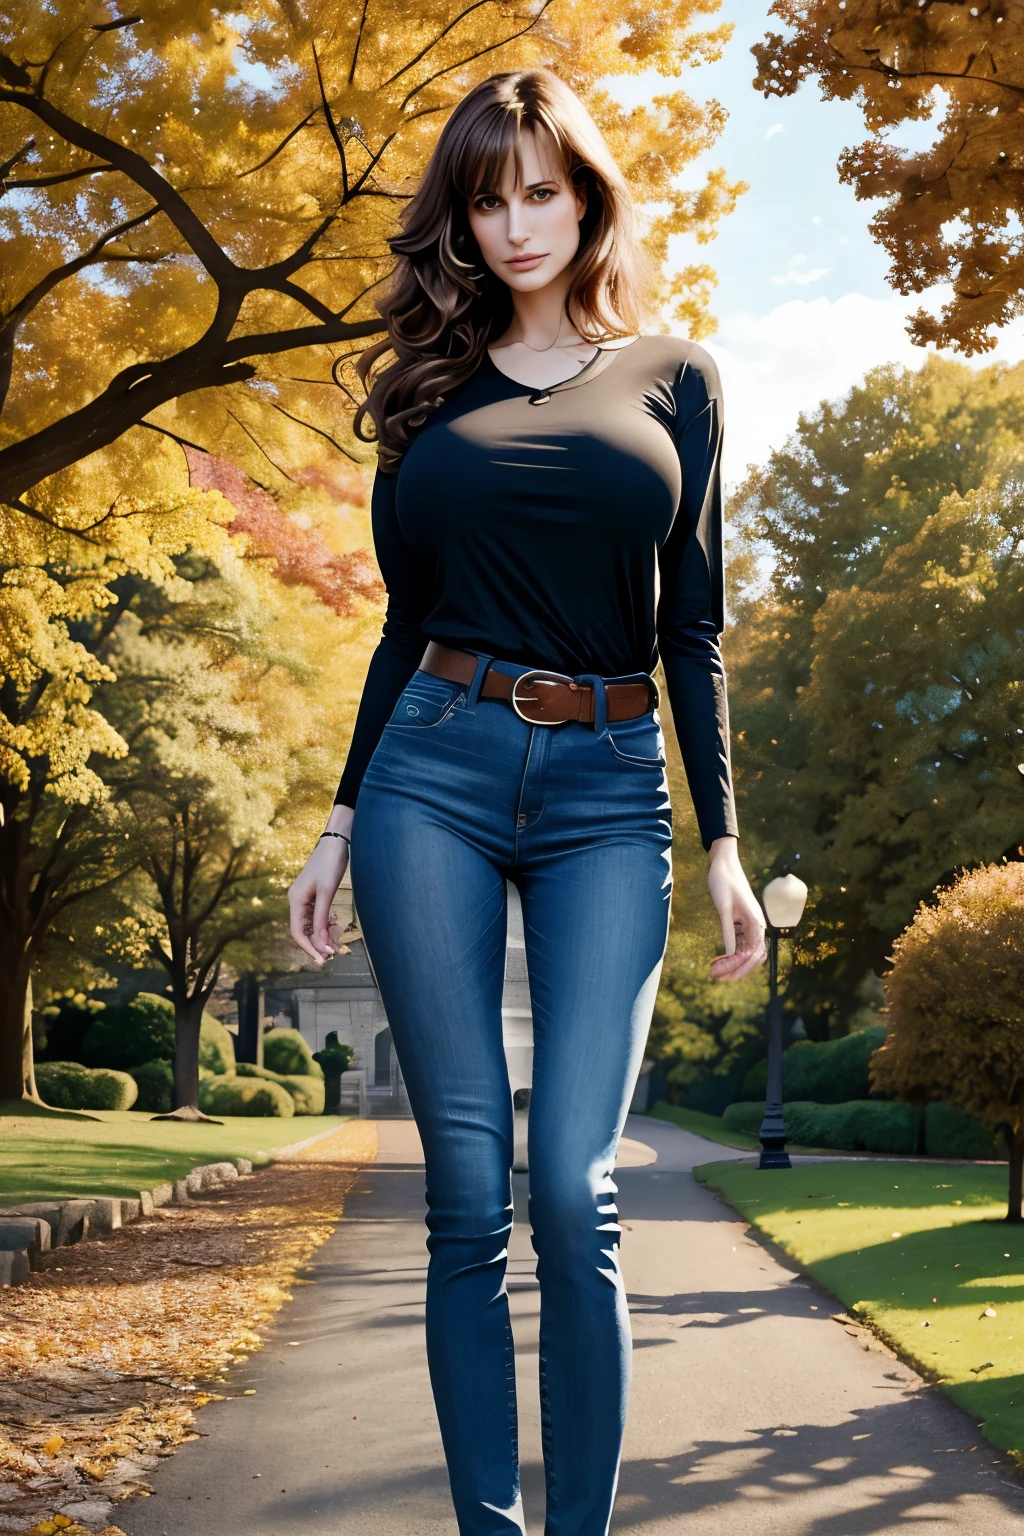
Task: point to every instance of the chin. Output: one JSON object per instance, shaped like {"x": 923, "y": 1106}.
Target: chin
{"x": 530, "y": 282}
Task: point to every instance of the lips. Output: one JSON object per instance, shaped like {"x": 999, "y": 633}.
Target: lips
{"x": 524, "y": 262}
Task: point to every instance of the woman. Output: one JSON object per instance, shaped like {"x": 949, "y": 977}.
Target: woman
{"x": 542, "y": 466}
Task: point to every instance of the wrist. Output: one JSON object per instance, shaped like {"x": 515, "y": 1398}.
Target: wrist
{"x": 340, "y": 820}
{"x": 723, "y": 848}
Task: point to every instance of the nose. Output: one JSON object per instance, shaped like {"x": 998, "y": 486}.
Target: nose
{"x": 518, "y": 233}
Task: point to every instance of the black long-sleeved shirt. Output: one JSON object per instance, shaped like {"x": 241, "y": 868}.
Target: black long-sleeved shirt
{"x": 541, "y": 532}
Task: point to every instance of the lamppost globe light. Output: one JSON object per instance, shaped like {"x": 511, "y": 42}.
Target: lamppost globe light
{"x": 784, "y": 899}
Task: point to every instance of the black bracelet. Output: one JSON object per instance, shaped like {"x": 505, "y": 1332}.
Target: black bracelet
{"x": 335, "y": 834}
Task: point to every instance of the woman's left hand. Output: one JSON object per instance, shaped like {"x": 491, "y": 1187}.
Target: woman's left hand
{"x": 739, "y": 911}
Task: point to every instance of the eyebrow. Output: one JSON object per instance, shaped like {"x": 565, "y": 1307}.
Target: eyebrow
{"x": 530, "y": 187}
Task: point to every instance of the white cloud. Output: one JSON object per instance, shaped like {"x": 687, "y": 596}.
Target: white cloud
{"x": 803, "y": 351}
{"x": 815, "y": 218}
{"x": 794, "y": 275}
{"x": 774, "y": 129}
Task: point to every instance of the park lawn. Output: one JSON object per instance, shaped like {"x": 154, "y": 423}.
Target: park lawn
{"x": 44, "y": 1155}
{"x": 711, "y": 1127}
{"x": 901, "y": 1245}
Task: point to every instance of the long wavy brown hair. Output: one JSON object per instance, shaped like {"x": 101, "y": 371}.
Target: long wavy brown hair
{"x": 443, "y": 305}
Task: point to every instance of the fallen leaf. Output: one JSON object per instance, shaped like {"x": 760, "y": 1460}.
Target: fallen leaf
{"x": 51, "y": 1448}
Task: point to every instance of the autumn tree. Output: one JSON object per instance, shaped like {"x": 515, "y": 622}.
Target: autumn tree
{"x": 230, "y": 763}
{"x": 203, "y": 200}
{"x": 952, "y": 212}
{"x": 955, "y": 997}
{"x": 194, "y": 207}
{"x": 876, "y": 660}
{"x": 61, "y": 838}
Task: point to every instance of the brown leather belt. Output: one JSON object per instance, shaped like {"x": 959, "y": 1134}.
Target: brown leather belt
{"x": 539, "y": 697}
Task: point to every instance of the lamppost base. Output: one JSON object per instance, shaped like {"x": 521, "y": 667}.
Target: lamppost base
{"x": 774, "y": 1154}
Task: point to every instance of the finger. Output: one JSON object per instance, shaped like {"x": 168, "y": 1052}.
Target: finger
{"x": 728, "y": 928}
{"x": 301, "y": 922}
{"x": 321, "y": 916}
{"x": 732, "y": 967}
{"x": 751, "y": 958}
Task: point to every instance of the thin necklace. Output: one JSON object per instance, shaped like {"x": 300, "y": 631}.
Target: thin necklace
{"x": 550, "y": 344}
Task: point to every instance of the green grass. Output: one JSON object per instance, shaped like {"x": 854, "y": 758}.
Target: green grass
{"x": 902, "y": 1244}
{"x": 45, "y": 1155}
{"x": 712, "y": 1128}
{"x": 708, "y": 1126}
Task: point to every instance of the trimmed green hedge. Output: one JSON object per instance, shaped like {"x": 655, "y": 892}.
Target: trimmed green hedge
{"x": 216, "y": 1046}
{"x": 127, "y": 1034}
{"x": 875, "y": 1125}
{"x": 141, "y": 1030}
{"x": 863, "y": 1125}
{"x": 821, "y": 1072}
{"x": 155, "y": 1081}
{"x": 951, "y": 1132}
{"x": 69, "y": 1085}
{"x": 309, "y": 1093}
{"x": 231, "y": 1095}
{"x": 286, "y": 1053}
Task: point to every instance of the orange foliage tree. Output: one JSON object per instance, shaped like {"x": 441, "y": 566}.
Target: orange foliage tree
{"x": 955, "y": 999}
{"x": 952, "y": 212}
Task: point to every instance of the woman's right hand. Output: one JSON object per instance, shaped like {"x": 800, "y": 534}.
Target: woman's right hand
{"x": 313, "y": 889}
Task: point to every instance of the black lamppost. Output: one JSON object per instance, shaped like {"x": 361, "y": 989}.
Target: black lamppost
{"x": 784, "y": 900}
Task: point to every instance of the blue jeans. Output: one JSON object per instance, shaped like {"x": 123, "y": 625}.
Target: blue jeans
{"x": 460, "y": 794}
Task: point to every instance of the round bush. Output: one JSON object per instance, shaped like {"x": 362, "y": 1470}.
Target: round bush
{"x": 127, "y": 1034}
{"x": 309, "y": 1093}
{"x": 216, "y": 1046}
{"x": 155, "y": 1080}
{"x": 69, "y": 1085}
{"x": 285, "y": 1052}
{"x": 67, "y": 1021}
{"x": 821, "y": 1071}
{"x": 231, "y": 1095}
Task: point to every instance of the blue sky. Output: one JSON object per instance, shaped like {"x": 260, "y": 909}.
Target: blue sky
{"x": 802, "y": 302}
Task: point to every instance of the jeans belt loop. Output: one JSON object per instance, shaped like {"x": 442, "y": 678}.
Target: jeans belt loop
{"x": 482, "y": 664}
{"x": 600, "y": 700}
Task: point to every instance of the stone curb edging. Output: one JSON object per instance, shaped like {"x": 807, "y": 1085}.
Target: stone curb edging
{"x": 34, "y": 1227}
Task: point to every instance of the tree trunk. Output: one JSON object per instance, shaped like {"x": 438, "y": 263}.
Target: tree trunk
{"x": 1015, "y": 1146}
{"x": 250, "y": 1032}
{"x": 187, "y": 1023}
{"x": 17, "y": 1069}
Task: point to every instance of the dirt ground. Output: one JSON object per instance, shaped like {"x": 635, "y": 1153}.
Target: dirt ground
{"x": 107, "y": 1352}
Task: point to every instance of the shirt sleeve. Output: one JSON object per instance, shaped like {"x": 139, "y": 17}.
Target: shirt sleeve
{"x": 691, "y": 605}
{"x": 409, "y": 582}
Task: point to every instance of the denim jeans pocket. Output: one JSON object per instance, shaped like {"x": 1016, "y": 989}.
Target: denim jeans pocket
{"x": 426, "y": 701}
{"x": 639, "y": 741}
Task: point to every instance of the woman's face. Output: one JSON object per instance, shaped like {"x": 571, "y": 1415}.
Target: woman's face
{"x": 530, "y": 232}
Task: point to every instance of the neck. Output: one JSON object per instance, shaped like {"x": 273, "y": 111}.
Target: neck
{"x": 539, "y": 318}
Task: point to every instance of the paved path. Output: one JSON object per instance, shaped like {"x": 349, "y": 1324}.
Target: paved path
{"x": 752, "y": 1412}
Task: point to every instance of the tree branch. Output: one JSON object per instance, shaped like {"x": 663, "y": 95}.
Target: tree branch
{"x": 416, "y": 59}
{"x": 261, "y": 164}
{"x": 331, "y": 124}
{"x": 318, "y": 430}
{"x": 138, "y": 169}
{"x": 358, "y": 43}
{"x": 25, "y": 305}
{"x": 480, "y": 53}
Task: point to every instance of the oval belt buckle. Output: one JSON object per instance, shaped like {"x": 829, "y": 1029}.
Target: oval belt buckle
{"x": 538, "y": 680}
